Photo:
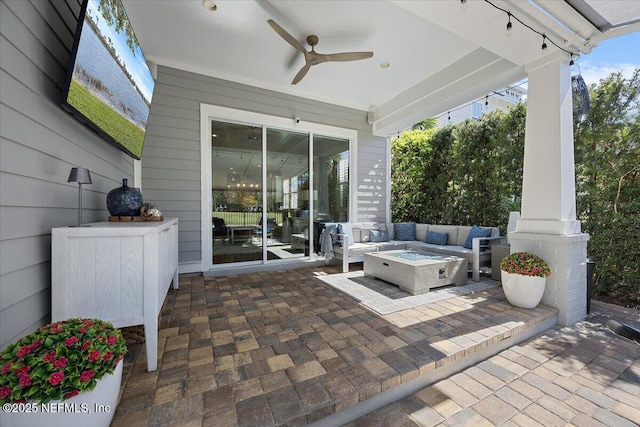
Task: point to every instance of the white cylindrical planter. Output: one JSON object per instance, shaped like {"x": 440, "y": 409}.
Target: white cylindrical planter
{"x": 94, "y": 408}
{"x": 523, "y": 291}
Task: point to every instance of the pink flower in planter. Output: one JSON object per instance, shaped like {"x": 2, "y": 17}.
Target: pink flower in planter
{"x": 71, "y": 394}
{"x": 56, "y": 378}
{"x": 94, "y": 355}
{"x": 4, "y": 392}
{"x": 23, "y": 370}
{"x": 60, "y": 363}
{"x": 6, "y": 368}
{"x": 71, "y": 341}
{"x": 50, "y": 357}
{"x": 86, "y": 376}
{"x": 25, "y": 380}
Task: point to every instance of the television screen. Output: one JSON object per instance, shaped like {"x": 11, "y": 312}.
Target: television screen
{"x": 109, "y": 85}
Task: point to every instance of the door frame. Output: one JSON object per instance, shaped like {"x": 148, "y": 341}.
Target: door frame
{"x": 210, "y": 112}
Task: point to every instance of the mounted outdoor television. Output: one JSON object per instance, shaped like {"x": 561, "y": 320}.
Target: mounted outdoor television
{"x": 109, "y": 85}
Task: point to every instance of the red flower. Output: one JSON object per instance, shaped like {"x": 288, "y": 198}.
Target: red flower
{"x": 82, "y": 330}
{"x": 86, "y": 345}
{"x": 6, "y": 368}
{"x": 111, "y": 340}
{"x": 4, "y": 392}
{"x": 107, "y": 355}
{"x": 87, "y": 322}
{"x": 86, "y": 376}
{"x": 56, "y": 378}
{"x": 94, "y": 355}
{"x": 25, "y": 380}
{"x": 71, "y": 341}
{"x": 60, "y": 363}
{"x": 50, "y": 357}
{"x": 23, "y": 370}
{"x": 71, "y": 394}
{"x": 24, "y": 350}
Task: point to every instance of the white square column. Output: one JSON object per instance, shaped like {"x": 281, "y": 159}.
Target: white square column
{"x": 548, "y": 226}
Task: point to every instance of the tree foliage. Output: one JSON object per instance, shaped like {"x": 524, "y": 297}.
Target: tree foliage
{"x": 608, "y": 183}
{"x": 471, "y": 173}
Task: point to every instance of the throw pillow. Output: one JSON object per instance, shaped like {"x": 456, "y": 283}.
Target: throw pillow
{"x": 476, "y": 232}
{"x": 405, "y": 230}
{"x": 338, "y": 235}
{"x": 378, "y": 236}
{"x": 436, "y": 238}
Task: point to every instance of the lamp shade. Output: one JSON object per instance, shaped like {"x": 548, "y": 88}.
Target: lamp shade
{"x": 80, "y": 175}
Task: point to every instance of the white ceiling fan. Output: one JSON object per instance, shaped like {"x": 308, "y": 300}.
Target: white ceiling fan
{"x": 312, "y": 57}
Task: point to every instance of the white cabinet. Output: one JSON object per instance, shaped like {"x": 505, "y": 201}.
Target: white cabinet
{"x": 114, "y": 271}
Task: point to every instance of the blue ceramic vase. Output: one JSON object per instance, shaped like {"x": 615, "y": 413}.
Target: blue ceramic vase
{"x": 124, "y": 201}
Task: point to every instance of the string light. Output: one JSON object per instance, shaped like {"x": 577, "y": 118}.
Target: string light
{"x": 509, "y": 29}
{"x": 477, "y": 100}
{"x": 486, "y": 100}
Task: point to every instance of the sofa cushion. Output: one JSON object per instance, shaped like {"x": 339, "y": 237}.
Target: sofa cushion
{"x": 378, "y": 236}
{"x": 463, "y": 232}
{"x": 405, "y": 231}
{"x": 451, "y": 230}
{"x": 421, "y": 231}
{"x": 436, "y": 238}
{"x": 345, "y": 228}
{"x": 476, "y": 232}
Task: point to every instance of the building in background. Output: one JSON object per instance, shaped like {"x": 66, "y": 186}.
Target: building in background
{"x": 498, "y": 100}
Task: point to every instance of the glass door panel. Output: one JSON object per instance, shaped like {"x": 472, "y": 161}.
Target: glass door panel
{"x": 330, "y": 183}
{"x": 236, "y": 164}
{"x": 287, "y": 194}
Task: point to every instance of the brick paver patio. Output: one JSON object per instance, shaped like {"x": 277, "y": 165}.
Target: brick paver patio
{"x": 283, "y": 348}
{"x": 582, "y": 376}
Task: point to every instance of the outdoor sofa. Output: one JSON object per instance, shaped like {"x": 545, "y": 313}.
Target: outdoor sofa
{"x": 350, "y": 241}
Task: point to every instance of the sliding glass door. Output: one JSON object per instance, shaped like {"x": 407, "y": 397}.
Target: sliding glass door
{"x": 273, "y": 190}
{"x": 236, "y": 191}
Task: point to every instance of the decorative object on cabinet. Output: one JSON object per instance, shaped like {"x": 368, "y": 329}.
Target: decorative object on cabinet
{"x": 81, "y": 176}
{"x": 75, "y": 361}
{"x": 124, "y": 201}
{"x": 118, "y": 272}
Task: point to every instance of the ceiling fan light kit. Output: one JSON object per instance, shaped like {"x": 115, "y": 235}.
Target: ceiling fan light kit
{"x": 312, "y": 57}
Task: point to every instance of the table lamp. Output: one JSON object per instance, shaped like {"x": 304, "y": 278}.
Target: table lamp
{"x": 81, "y": 176}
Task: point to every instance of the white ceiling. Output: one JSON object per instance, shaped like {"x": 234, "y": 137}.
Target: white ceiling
{"x": 440, "y": 55}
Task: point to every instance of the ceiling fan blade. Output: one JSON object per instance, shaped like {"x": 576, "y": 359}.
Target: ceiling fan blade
{"x": 347, "y": 56}
{"x": 285, "y": 35}
{"x": 303, "y": 72}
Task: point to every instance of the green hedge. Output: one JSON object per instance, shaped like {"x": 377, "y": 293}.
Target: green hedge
{"x": 471, "y": 173}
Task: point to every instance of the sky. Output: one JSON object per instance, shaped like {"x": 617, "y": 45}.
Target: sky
{"x": 136, "y": 65}
{"x": 621, "y": 53}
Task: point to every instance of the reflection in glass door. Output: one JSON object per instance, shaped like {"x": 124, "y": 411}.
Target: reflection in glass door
{"x": 288, "y": 183}
{"x": 236, "y": 163}
{"x": 330, "y": 183}
{"x": 270, "y": 205}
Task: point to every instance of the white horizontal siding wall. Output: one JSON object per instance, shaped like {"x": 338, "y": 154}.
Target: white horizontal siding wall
{"x": 171, "y": 157}
{"x": 39, "y": 144}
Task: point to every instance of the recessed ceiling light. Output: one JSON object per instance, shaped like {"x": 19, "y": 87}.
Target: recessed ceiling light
{"x": 209, "y": 5}
{"x": 385, "y": 65}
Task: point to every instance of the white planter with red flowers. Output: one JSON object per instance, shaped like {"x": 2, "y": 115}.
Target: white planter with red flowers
{"x": 524, "y": 277}
{"x": 66, "y": 373}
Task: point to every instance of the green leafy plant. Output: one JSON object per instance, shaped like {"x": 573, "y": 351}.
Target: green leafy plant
{"x": 59, "y": 360}
{"x": 525, "y": 263}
